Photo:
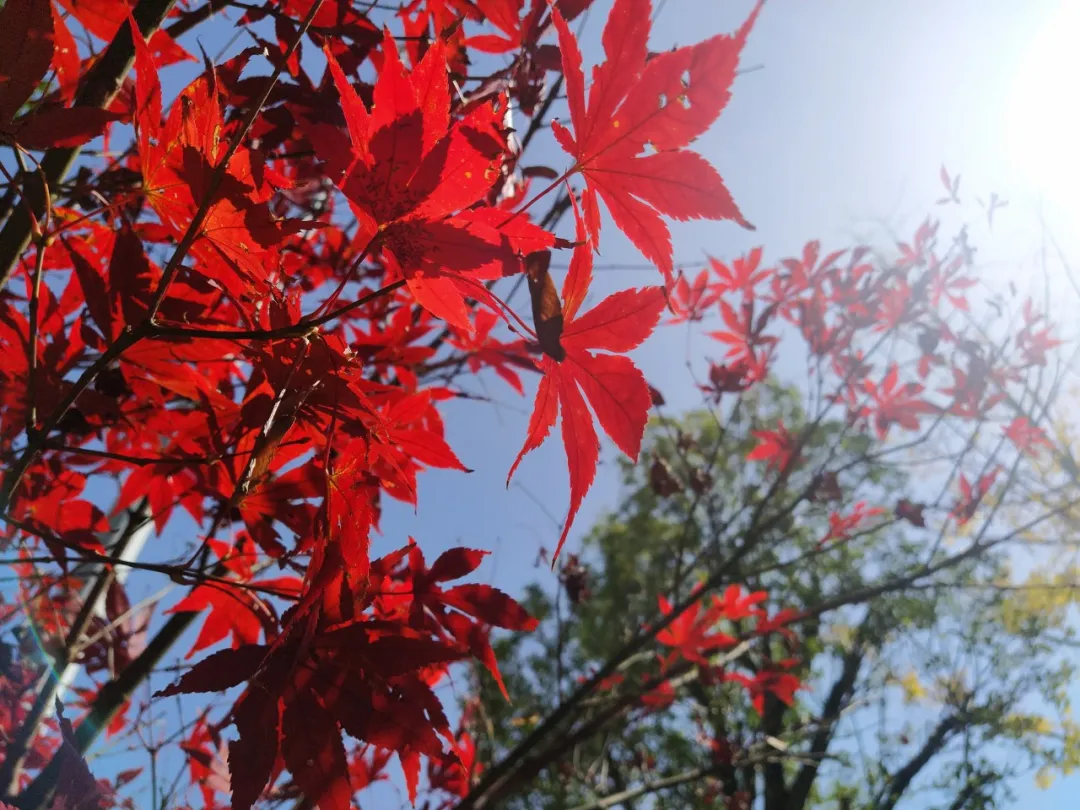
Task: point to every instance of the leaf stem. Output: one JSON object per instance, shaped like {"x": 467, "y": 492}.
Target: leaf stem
{"x": 32, "y": 343}
{"x": 550, "y": 187}
{"x": 295, "y": 330}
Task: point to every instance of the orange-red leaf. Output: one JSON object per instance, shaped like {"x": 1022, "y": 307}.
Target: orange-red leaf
{"x": 612, "y": 385}
{"x": 635, "y": 104}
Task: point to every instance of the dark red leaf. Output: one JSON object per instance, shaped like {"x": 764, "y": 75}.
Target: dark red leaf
{"x": 456, "y": 563}
{"x": 219, "y": 671}
{"x": 490, "y": 605}
{"x": 311, "y": 746}
{"x": 251, "y": 757}
{"x": 26, "y": 50}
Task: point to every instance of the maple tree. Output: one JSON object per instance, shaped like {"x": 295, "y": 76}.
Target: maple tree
{"x": 243, "y": 307}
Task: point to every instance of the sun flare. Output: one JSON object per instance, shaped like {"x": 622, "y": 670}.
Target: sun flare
{"x": 1042, "y": 126}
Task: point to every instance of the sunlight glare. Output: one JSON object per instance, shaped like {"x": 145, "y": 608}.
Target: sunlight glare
{"x": 1042, "y": 126}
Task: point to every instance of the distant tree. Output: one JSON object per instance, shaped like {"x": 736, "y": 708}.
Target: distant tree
{"x": 897, "y": 685}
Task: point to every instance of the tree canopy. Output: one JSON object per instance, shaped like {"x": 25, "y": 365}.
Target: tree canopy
{"x": 897, "y": 691}
{"x": 235, "y": 309}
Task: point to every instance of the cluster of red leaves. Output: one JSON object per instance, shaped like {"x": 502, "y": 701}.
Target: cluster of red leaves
{"x": 360, "y": 663}
{"x": 663, "y": 102}
{"x": 719, "y": 623}
{"x": 693, "y": 634}
{"x": 194, "y": 322}
{"x": 844, "y": 306}
{"x": 699, "y": 635}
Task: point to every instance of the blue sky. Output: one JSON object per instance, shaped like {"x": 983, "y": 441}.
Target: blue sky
{"x": 838, "y": 133}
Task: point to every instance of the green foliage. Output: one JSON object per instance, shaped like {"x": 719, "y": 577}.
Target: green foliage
{"x": 935, "y": 686}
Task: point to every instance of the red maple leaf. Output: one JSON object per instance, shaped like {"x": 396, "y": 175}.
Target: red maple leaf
{"x": 370, "y": 677}
{"x": 240, "y": 612}
{"x": 1032, "y": 341}
{"x": 918, "y": 252}
{"x": 693, "y": 636}
{"x": 412, "y": 174}
{"x": 841, "y": 526}
{"x": 744, "y": 274}
{"x": 517, "y": 31}
{"x": 367, "y": 765}
{"x": 361, "y": 678}
{"x": 205, "y": 752}
{"x": 1027, "y": 437}
{"x": 179, "y": 160}
{"x": 971, "y": 496}
{"x": 478, "y": 606}
{"x": 728, "y": 379}
{"x": 120, "y": 295}
{"x": 949, "y": 282}
{"x": 612, "y": 384}
{"x": 745, "y": 333}
{"x": 894, "y": 404}
{"x": 911, "y": 512}
{"x": 506, "y": 16}
{"x": 689, "y": 301}
{"x": 482, "y": 350}
{"x": 774, "y": 446}
{"x": 952, "y": 186}
{"x": 102, "y": 18}
{"x": 638, "y": 102}
{"x": 783, "y": 685}
{"x": 26, "y": 50}
{"x": 28, "y": 44}
{"x": 734, "y": 605}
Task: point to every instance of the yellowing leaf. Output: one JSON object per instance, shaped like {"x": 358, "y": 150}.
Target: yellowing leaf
{"x": 913, "y": 689}
{"x": 1044, "y": 778}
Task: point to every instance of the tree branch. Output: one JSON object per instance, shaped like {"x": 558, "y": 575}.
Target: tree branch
{"x": 773, "y": 770}
{"x": 53, "y": 679}
{"x": 112, "y": 696}
{"x": 643, "y": 790}
{"x": 901, "y": 780}
{"x": 193, "y": 18}
{"x": 830, "y": 713}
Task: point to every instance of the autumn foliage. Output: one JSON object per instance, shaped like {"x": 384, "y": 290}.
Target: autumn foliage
{"x": 246, "y": 305}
